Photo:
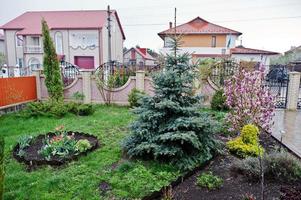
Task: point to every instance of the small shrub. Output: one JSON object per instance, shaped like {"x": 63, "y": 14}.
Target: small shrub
{"x": 209, "y": 181}
{"x": 279, "y": 166}
{"x": 247, "y": 144}
{"x": 218, "y": 101}
{"x": 85, "y": 109}
{"x": 1, "y": 166}
{"x": 134, "y": 97}
{"x": 77, "y": 96}
{"x": 58, "y": 109}
{"x": 82, "y": 145}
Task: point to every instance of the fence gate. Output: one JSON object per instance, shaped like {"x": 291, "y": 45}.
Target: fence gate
{"x": 277, "y": 80}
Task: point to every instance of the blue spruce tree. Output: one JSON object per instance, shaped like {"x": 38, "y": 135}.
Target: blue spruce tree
{"x": 170, "y": 126}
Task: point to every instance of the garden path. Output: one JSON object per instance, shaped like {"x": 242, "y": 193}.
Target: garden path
{"x": 290, "y": 122}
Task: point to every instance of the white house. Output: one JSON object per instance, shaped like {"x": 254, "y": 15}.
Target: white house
{"x": 138, "y": 56}
{"x": 80, "y": 37}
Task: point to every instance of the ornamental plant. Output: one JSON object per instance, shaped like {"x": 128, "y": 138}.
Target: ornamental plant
{"x": 249, "y": 100}
{"x": 209, "y": 181}
{"x": 247, "y": 144}
{"x": 53, "y": 79}
{"x": 169, "y": 125}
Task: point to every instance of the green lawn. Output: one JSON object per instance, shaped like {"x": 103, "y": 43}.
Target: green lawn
{"x": 80, "y": 179}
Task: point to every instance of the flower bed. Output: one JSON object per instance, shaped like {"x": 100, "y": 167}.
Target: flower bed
{"x": 54, "y": 148}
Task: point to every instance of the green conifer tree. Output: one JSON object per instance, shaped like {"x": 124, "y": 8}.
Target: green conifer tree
{"x": 170, "y": 126}
{"x": 53, "y": 79}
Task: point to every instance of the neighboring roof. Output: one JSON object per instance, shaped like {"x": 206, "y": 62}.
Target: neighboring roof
{"x": 199, "y": 26}
{"x": 293, "y": 49}
{"x": 210, "y": 55}
{"x": 244, "y": 50}
{"x": 142, "y": 51}
{"x": 29, "y": 23}
{"x": 1, "y": 37}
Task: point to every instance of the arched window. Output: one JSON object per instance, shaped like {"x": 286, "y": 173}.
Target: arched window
{"x": 34, "y": 63}
{"x": 58, "y": 43}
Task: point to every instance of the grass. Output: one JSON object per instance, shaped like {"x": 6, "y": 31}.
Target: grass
{"x": 80, "y": 179}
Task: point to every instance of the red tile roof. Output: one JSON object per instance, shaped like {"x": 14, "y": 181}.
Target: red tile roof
{"x": 143, "y": 52}
{"x": 210, "y": 55}
{"x": 199, "y": 26}
{"x": 29, "y": 23}
{"x": 244, "y": 50}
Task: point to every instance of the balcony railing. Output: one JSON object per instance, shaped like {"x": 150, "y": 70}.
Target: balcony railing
{"x": 33, "y": 49}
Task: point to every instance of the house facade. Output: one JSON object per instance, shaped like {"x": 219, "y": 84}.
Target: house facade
{"x": 80, "y": 38}
{"x": 139, "y": 57}
{"x": 203, "y": 39}
{"x": 2, "y": 45}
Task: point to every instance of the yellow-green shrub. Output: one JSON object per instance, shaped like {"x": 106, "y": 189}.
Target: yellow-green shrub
{"x": 247, "y": 144}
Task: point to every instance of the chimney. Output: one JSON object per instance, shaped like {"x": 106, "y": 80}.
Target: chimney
{"x": 170, "y": 24}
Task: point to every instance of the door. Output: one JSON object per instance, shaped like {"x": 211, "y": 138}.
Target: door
{"x": 85, "y": 62}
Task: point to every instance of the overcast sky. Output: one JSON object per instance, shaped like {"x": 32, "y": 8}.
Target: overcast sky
{"x": 266, "y": 24}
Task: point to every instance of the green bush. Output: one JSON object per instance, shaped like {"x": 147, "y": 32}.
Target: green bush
{"x": 56, "y": 109}
{"x": 134, "y": 97}
{"x": 247, "y": 144}
{"x": 1, "y": 166}
{"x": 85, "y": 109}
{"x": 280, "y": 166}
{"x": 82, "y": 145}
{"x": 209, "y": 181}
{"x": 218, "y": 101}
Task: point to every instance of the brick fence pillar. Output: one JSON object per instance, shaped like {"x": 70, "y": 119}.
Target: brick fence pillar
{"x": 293, "y": 90}
{"x": 37, "y": 74}
{"x": 86, "y": 86}
{"x": 140, "y": 75}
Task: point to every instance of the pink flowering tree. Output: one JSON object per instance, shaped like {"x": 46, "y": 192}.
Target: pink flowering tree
{"x": 249, "y": 100}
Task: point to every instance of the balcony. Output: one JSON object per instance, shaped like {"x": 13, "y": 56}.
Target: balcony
{"x": 33, "y": 49}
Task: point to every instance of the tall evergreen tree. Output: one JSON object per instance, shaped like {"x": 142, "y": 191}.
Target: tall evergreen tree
{"x": 53, "y": 79}
{"x": 170, "y": 126}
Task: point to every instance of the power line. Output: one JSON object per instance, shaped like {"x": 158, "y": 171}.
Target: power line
{"x": 238, "y": 20}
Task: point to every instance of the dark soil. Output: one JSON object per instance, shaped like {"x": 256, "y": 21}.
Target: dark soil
{"x": 235, "y": 185}
{"x": 33, "y": 159}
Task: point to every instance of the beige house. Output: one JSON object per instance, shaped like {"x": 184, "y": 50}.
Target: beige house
{"x": 80, "y": 38}
{"x": 203, "y": 39}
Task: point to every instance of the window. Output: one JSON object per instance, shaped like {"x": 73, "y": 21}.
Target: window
{"x": 19, "y": 40}
{"x": 168, "y": 42}
{"x": 20, "y": 62}
{"x": 34, "y": 63}
{"x": 59, "y": 43}
{"x": 83, "y": 40}
{"x": 213, "y": 41}
{"x": 35, "y": 41}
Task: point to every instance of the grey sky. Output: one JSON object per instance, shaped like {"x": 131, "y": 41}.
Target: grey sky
{"x": 267, "y": 24}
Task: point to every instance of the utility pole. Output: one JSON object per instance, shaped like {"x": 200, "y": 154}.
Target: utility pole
{"x": 109, "y": 35}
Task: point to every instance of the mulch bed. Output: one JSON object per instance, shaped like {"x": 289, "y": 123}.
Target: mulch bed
{"x": 235, "y": 186}
{"x": 33, "y": 159}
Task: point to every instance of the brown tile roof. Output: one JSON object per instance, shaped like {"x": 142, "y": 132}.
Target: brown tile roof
{"x": 199, "y": 26}
{"x": 244, "y": 50}
{"x": 29, "y": 23}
